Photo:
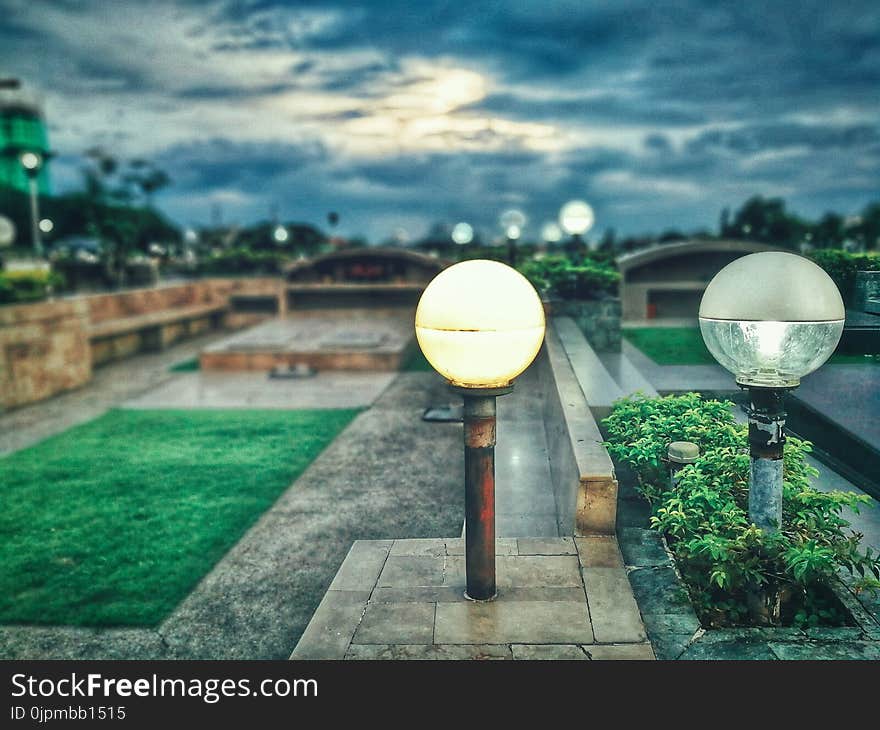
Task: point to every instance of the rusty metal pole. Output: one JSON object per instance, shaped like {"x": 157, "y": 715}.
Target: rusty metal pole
{"x": 479, "y": 489}
{"x": 766, "y": 448}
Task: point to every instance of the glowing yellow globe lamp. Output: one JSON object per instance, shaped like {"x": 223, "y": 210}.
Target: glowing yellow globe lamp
{"x": 480, "y": 324}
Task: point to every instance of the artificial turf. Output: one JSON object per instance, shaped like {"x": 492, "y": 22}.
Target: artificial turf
{"x": 113, "y": 522}
{"x": 684, "y": 346}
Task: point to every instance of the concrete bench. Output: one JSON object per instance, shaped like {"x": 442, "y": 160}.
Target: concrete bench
{"x": 119, "y": 337}
{"x": 584, "y": 482}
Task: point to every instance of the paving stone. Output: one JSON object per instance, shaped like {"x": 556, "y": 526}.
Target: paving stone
{"x": 658, "y": 590}
{"x": 503, "y": 546}
{"x": 513, "y": 622}
{"x": 668, "y": 646}
{"x": 541, "y": 593}
{"x": 642, "y": 547}
{"x": 532, "y": 652}
{"x": 406, "y": 571}
{"x": 361, "y": 566}
{"x": 621, "y": 652}
{"x": 613, "y": 610}
{"x": 840, "y": 633}
{"x": 807, "y": 650}
{"x": 429, "y": 651}
{"x": 523, "y": 571}
{"x": 425, "y": 548}
{"x": 674, "y": 623}
{"x": 450, "y": 594}
{"x": 418, "y": 594}
{"x": 546, "y": 546}
{"x": 599, "y": 552}
{"x": 396, "y": 623}
{"x": 756, "y": 633}
{"x": 332, "y": 626}
{"x": 733, "y": 650}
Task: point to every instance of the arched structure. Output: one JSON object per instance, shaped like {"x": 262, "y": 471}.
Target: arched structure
{"x": 668, "y": 280}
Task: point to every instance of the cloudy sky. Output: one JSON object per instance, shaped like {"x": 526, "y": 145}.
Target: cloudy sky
{"x": 403, "y": 113}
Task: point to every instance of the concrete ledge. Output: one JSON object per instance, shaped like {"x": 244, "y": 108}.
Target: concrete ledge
{"x": 584, "y": 482}
{"x": 599, "y": 388}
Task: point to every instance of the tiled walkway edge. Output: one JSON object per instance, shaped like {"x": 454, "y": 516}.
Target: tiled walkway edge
{"x": 558, "y": 598}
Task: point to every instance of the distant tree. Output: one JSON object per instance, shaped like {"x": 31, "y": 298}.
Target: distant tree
{"x": 608, "y": 241}
{"x": 671, "y": 235}
{"x": 867, "y": 230}
{"x": 829, "y": 232}
{"x": 110, "y": 190}
{"x": 766, "y": 220}
{"x": 724, "y": 224}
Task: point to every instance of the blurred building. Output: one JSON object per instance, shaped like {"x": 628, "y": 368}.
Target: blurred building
{"x": 667, "y": 281}
{"x": 22, "y": 129}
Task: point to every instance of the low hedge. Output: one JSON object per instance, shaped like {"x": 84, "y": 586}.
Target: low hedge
{"x": 736, "y": 573}
{"x": 243, "y": 261}
{"x": 19, "y": 287}
{"x": 842, "y": 266}
{"x": 585, "y": 278}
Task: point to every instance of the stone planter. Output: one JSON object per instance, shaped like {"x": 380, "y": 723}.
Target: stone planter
{"x": 598, "y": 319}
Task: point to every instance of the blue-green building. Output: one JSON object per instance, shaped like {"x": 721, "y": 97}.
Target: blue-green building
{"x": 22, "y": 129}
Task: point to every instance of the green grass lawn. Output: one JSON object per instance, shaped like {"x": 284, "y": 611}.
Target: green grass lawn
{"x": 115, "y": 521}
{"x": 684, "y": 346}
{"x": 186, "y": 366}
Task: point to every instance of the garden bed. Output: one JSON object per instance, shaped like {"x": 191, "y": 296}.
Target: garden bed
{"x": 696, "y": 573}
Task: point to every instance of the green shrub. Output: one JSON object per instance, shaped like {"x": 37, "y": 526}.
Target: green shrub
{"x": 735, "y": 572}
{"x": 243, "y": 261}
{"x": 842, "y": 266}
{"x": 588, "y": 278}
{"x": 20, "y": 287}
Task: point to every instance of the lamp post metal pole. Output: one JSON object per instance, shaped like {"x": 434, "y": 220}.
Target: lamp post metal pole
{"x": 511, "y": 251}
{"x": 479, "y": 489}
{"x": 766, "y": 448}
{"x": 35, "y": 213}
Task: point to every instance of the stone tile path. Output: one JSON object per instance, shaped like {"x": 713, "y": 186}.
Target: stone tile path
{"x": 257, "y": 390}
{"x": 558, "y": 598}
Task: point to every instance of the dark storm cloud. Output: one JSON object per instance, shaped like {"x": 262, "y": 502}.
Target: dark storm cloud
{"x": 780, "y": 136}
{"x": 664, "y": 112}
{"x": 223, "y": 163}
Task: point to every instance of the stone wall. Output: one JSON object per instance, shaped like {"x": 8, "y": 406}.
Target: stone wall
{"x": 599, "y": 320}
{"x": 47, "y": 347}
{"x": 44, "y": 350}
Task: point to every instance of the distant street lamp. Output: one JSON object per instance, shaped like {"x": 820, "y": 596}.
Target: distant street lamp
{"x": 770, "y": 318}
{"x": 576, "y": 218}
{"x": 512, "y": 221}
{"x": 46, "y": 225}
{"x": 551, "y": 232}
{"x": 32, "y": 162}
{"x": 480, "y": 324}
{"x": 462, "y": 233}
